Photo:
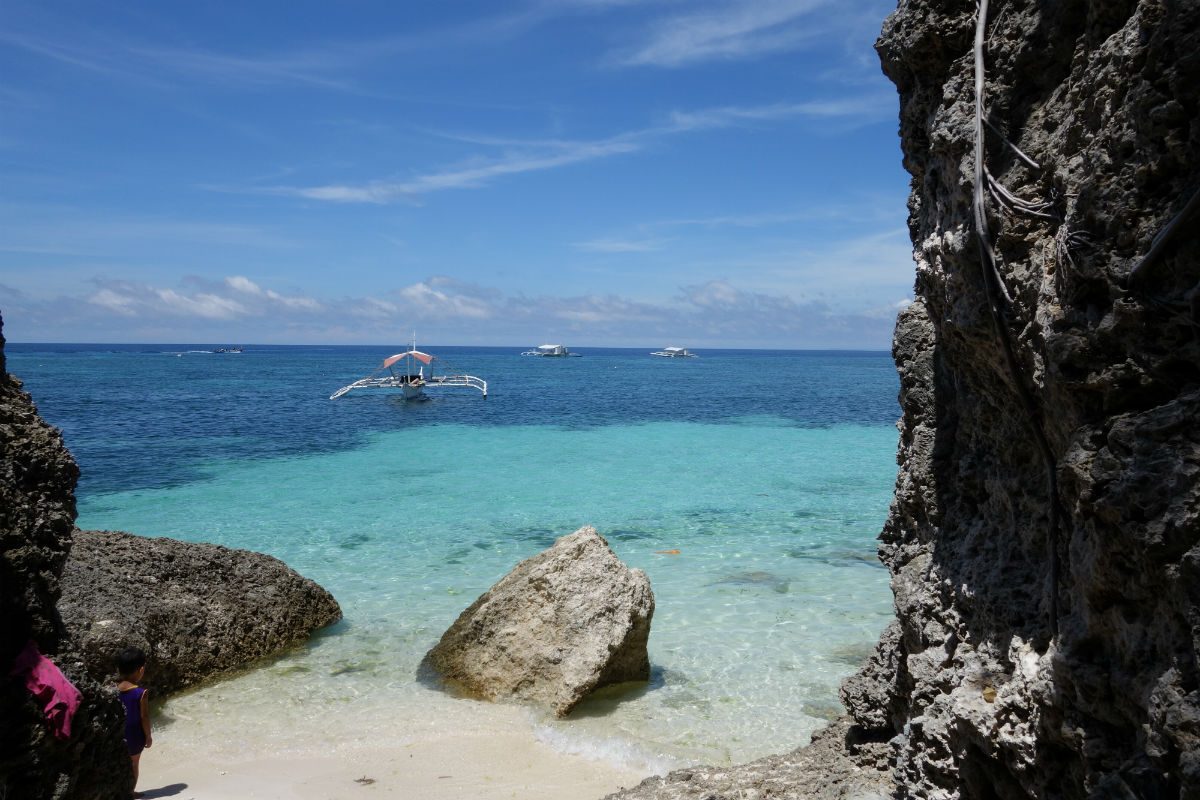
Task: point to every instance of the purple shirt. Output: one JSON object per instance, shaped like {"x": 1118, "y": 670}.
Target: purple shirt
{"x": 135, "y": 734}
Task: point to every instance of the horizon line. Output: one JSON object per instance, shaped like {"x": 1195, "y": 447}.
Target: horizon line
{"x": 481, "y": 346}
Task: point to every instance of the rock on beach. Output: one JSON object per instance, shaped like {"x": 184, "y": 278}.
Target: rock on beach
{"x": 559, "y": 626}
{"x": 197, "y": 610}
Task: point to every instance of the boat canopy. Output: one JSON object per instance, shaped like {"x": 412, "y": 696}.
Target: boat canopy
{"x": 424, "y": 358}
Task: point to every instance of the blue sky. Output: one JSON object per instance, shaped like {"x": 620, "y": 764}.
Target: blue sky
{"x": 706, "y": 173}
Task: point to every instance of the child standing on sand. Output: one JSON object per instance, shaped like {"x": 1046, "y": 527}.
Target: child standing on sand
{"x": 132, "y": 666}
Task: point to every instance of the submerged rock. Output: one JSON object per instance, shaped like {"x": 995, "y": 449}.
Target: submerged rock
{"x": 560, "y": 625}
{"x": 197, "y": 610}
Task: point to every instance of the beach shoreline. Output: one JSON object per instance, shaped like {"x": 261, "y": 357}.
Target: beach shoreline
{"x": 480, "y": 766}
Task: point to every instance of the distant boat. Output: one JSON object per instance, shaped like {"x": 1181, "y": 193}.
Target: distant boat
{"x": 551, "y": 351}
{"x": 236, "y": 349}
{"x": 675, "y": 352}
{"x": 406, "y": 372}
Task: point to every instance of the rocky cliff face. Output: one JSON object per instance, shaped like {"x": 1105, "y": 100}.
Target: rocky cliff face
{"x": 37, "y": 514}
{"x": 1043, "y": 539}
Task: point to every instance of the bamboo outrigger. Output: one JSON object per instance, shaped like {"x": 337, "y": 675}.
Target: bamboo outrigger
{"x": 402, "y": 372}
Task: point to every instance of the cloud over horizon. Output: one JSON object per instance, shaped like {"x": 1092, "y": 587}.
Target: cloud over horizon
{"x": 445, "y": 310}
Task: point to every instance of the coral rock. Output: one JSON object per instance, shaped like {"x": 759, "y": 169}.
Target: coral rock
{"x": 197, "y": 610}
{"x": 560, "y": 625}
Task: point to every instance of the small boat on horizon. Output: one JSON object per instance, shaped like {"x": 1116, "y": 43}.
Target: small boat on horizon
{"x": 551, "y": 351}
{"x": 675, "y": 352}
{"x": 406, "y": 372}
{"x": 231, "y": 349}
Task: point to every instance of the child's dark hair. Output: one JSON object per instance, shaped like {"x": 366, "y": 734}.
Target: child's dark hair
{"x": 130, "y": 661}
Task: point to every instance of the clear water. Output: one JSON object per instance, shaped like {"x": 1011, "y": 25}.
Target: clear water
{"x": 769, "y": 471}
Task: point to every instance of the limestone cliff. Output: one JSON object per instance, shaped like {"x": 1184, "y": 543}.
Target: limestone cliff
{"x": 1043, "y": 538}
{"x": 37, "y": 514}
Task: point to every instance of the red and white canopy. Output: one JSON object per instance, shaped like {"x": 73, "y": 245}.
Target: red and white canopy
{"x": 424, "y": 358}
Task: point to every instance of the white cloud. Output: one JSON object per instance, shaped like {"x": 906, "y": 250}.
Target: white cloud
{"x": 374, "y": 308}
{"x": 425, "y": 299}
{"x": 114, "y": 301}
{"x": 241, "y": 284}
{"x": 236, "y": 298}
{"x": 210, "y": 306}
{"x": 448, "y": 311}
{"x": 716, "y": 294}
{"x": 537, "y": 155}
{"x": 252, "y": 71}
{"x": 80, "y": 56}
{"x": 474, "y": 175}
{"x": 735, "y": 30}
{"x": 889, "y": 311}
{"x": 618, "y": 246}
{"x": 244, "y": 285}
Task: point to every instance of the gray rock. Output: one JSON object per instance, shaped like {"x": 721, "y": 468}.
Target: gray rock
{"x": 197, "y": 610}
{"x": 181, "y": 603}
{"x": 560, "y": 625}
{"x": 37, "y": 514}
{"x": 836, "y": 765}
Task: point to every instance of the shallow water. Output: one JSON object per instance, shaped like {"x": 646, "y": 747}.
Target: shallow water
{"x": 770, "y": 473}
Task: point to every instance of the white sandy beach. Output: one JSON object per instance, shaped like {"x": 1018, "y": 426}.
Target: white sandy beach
{"x": 474, "y": 766}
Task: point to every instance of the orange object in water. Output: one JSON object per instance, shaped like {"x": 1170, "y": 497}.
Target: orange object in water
{"x": 666, "y": 552}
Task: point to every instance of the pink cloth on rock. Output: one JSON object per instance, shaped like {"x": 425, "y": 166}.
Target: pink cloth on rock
{"x": 47, "y": 683}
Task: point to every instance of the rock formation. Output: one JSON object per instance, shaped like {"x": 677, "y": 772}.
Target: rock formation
{"x": 194, "y": 609}
{"x": 560, "y": 625}
{"x": 1044, "y": 537}
{"x": 197, "y": 610}
{"x": 837, "y": 765}
{"x": 37, "y": 514}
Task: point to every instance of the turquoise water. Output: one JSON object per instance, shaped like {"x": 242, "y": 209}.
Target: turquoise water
{"x": 770, "y": 472}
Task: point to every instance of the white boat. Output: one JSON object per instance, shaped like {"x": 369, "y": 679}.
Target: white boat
{"x": 551, "y": 351}
{"x": 675, "y": 352}
{"x": 406, "y": 372}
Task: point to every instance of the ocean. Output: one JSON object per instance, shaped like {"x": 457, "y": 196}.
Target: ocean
{"x": 770, "y": 472}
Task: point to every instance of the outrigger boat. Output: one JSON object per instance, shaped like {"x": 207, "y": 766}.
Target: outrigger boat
{"x": 551, "y": 351}
{"x": 675, "y": 352}
{"x": 406, "y": 372}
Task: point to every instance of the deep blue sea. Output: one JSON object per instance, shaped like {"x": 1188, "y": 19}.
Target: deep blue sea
{"x": 769, "y": 471}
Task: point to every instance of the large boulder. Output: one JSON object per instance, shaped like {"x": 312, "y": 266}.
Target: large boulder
{"x": 560, "y": 625}
{"x": 197, "y": 610}
{"x": 37, "y": 515}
